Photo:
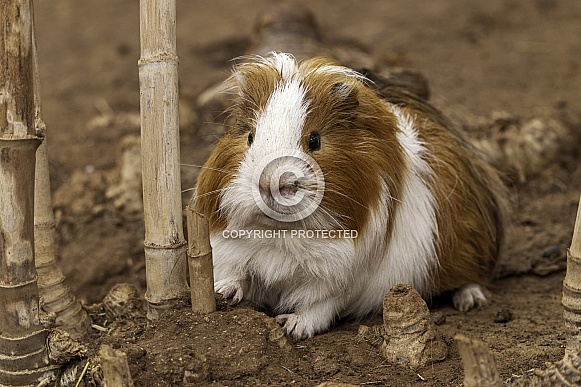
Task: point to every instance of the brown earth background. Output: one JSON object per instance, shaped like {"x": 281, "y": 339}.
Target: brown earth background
{"x": 521, "y": 57}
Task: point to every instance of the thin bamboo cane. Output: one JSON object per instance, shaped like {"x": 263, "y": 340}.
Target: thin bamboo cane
{"x": 165, "y": 246}
{"x": 200, "y": 262}
{"x": 24, "y": 356}
{"x": 56, "y": 296}
{"x": 572, "y": 289}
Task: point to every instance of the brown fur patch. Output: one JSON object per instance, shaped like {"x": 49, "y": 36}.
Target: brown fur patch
{"x": 358, "y": 143}
{"x": 216, "y": 174}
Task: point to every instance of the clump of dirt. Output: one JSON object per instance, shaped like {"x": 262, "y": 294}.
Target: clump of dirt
{"x": 238, "y": 346}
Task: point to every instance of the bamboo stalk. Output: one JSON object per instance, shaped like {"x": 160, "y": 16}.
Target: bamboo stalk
{"x": 56, "y": 296}
{"x": 165, "y": 246}
{"x": 572, "y": 289}
{"x": 24, "y": 356}
{"x": 115, "y": 367}
{"x": 479, "y": 365}
{"x": 200, "y": 262}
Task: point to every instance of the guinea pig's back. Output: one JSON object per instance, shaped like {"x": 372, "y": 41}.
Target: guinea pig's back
{"x": 469, "y": 195}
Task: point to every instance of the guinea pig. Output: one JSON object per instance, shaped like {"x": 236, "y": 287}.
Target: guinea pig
{"x": 323, "y": 194}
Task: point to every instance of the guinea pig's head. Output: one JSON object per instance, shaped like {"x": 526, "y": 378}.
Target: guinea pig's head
{"x": 310, "y": 146}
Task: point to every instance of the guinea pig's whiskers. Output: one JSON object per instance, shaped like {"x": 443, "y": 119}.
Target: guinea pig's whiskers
{"x": 225, "y": 171}
{"x": 217, "y": 122}
{"x": 333, "y": 218}
{"x": 348, "y": 197}
{"x": 219, "y": 190}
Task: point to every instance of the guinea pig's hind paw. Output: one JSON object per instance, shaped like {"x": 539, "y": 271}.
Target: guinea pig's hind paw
{"x": 231, "y": 290}
{"x": 468, "y": 297}
{"x": 295, "y": 326}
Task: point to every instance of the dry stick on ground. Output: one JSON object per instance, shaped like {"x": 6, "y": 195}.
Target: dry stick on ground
{"x": 23, "y": 353}
{"x": 479, "y": 365}
{"x": 115, "y": 367}
{"x": 200, "y": 262}
{"x": 572, "y": 289}
{"x": 165, "y": 246}
{"x": 56, "y": 296}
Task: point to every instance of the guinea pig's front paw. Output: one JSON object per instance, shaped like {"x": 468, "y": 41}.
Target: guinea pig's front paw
{"x": 232, "y": 290}
{"x": 468, "y": 297}
{"x": 295, "y": 326}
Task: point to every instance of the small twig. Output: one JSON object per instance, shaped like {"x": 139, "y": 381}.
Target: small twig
{"x": 99, "y": 328}
{"x": 288, "y": 369}
{"x": 82, "y": 375}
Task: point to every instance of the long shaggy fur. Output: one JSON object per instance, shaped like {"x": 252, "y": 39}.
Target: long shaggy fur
{"x": 426, "y": 208}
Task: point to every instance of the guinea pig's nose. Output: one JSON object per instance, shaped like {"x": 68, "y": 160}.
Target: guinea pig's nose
{"x": 288, "y": 184}
{"x": 289, "y": 189}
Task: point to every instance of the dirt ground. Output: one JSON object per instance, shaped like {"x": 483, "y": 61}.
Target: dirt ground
{"x": 521, "y": 57}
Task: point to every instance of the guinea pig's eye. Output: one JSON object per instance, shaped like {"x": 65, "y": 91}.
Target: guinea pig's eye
{"x": 314, "y": 141}
{"x": 250, "y": 138}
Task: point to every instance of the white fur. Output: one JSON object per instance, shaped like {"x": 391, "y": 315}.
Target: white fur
{"x": 412, "y": 245}
{"x": 310, "y": 277}
{"x": 338, "y": 70}
{"x": 278, "y": 129}
{"x": 408, "y": 255}
{"x": 468, "y": 297}
{"x": 279, "y": 125}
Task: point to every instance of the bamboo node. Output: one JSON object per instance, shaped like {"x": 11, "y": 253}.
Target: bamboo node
{"x": 9, "y": 137}
{"x": 165, "y": 246}
{"x": 159, "y": 58}
{"x": 39, "y": 128}
{"x": 19, "y": 284}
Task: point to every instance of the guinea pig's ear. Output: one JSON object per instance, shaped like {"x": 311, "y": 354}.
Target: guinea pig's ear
{"x": 346, "y": 96}
{"x": 234, "y": 83}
